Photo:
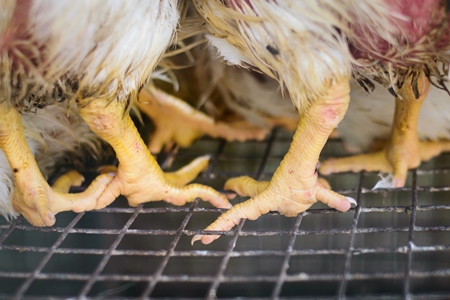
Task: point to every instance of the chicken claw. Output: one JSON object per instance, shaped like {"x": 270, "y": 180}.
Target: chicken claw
{"x": 33, "y": 197}
{"x": 276, "y": 195}
{"x": 177, "y": 122}
{"x": 295, "y": 185}
{"x": 403, "y": 150}
{"x": 139, "y": 177}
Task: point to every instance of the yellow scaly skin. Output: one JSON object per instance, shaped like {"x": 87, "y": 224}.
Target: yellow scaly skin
{"x": 403, "y": 150}
{"x": 177, "y": 122}
{"x": 33, "y": 197}
{"x": 294, "y": 186}
{"x": 139, "y": 177}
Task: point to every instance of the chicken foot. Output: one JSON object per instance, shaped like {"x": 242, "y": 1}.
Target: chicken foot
{"x": 294, "y": 186}
{"x": 33, "y": 197}
{"x": 139, "y": 177}
{"x": 178, "y": 178}
{"x": 403, "y": 150}
{"x": 177, "y": 122}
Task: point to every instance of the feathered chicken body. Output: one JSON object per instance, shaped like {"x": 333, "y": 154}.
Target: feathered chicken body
{"x": 98, "y": 54}
{"x": 53, "y": 50}
{"x": 296, "y": 42}
{"x": 228, "y": 93}
{"x": 255, "y": 96}
{"x": 193, "y": 93}
{"x": 413, "y": 37}
{"x": 312, "y": 48}
{"x": 305, "y": 43}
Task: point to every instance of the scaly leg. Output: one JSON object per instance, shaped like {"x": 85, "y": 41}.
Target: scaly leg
{"x": 33, "y": 197}
{"x": 139, "y": 177}
{"x": 177, "y": 122}
{"x": 295, "y": 185}
{"x": 403, "y": 150}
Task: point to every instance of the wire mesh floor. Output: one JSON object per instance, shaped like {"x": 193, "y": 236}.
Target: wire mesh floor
{"x": 394, "y": 244}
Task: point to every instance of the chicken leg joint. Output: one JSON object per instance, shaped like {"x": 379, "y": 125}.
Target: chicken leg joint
{"x": 403, "y": 150}
{"x": 32, "y": 196}
{"x": 139, "y": 177}
{"x": 294, "y": 186}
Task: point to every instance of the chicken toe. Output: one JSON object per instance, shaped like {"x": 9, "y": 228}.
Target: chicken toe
{"x": 177, "y": 122}
{"x": 64, "y": 182}
{"x": 278, "y": 195}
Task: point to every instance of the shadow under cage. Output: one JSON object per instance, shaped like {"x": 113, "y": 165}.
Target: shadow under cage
{"x": 394, "y": 244}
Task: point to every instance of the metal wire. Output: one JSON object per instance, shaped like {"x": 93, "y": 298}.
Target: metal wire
{"x": 394, "y": 244}
{"x": 349, "y": 253}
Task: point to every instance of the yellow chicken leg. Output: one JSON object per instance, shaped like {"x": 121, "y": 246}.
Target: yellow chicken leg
{"x": 33, "y": 197}
{"x": 403, "y": 150}
{"x": 139, "y": 177}
{"x": 295, "y": 185}
{"x": 177, "y": 122}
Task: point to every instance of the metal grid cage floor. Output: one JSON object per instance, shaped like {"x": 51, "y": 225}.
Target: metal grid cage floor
{"x": 394, "y": 244}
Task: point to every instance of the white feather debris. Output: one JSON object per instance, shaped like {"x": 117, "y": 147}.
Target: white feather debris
{"x": 386, "y": 182}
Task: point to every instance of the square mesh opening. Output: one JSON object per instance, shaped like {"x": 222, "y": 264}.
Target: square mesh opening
{"x": 394, "y": 244}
